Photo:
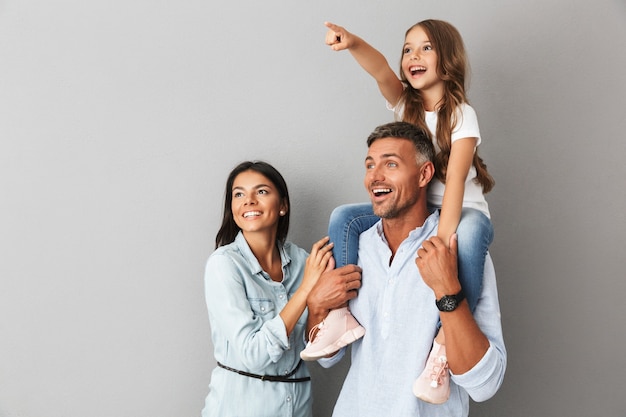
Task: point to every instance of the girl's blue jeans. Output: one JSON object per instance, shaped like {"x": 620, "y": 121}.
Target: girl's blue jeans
{"x": 474, "y": 235}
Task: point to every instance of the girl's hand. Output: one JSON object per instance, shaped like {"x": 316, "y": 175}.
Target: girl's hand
{"x": 320, "y": 260}
{"x": 337, "y": 37}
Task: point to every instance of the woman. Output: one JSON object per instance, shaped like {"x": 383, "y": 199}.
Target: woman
{"x": 256, "y": 285}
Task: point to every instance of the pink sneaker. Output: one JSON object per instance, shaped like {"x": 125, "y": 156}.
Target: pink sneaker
{"x": 433, "y": 385}
{"x": 338, "y": 329}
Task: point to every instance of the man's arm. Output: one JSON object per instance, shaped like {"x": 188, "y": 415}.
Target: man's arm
{"x": 332, "y": 290}
{"x": 466, "y": 344}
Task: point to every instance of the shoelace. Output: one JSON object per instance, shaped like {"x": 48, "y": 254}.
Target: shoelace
{"x": 312, "y": 332}
{"x": 440, "y": 366}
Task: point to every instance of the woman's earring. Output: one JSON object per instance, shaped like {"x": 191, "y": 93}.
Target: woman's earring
{"x": 282, "y": 212}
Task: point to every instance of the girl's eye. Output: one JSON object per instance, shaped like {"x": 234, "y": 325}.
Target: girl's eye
{"x": 428, "y": 48}
{"x": 407, "y": 50}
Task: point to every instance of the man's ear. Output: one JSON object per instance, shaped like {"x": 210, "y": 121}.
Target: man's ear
{"x": 427, "y": 171}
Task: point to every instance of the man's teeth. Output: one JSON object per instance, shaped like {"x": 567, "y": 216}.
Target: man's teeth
{"x": 252, "y": 213}
{"x": 379, "y": 191}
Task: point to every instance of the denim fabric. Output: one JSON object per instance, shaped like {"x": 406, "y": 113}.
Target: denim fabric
{"x": 346, "y": 224}
{"x": 475, "y": 234}
{"x": 248, "y": 334}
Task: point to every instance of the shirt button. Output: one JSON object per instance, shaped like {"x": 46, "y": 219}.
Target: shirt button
{"x": 288, "y": 399}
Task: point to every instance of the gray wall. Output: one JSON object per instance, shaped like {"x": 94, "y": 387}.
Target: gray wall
{"x": 120, "y": 119}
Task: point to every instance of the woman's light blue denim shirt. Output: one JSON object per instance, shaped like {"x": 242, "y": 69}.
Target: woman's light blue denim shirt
{"x": 248, "y": 334}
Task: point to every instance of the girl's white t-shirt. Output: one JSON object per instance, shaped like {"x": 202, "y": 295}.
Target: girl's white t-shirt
{"x": 466, "y": 127}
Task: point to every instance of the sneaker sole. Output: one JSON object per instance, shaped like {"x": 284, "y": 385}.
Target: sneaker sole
{"x": 348, "y": 337}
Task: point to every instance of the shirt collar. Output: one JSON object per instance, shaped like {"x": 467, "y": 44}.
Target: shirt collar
{"x": 420, "y": 232}
{"x": 255, "y": 266}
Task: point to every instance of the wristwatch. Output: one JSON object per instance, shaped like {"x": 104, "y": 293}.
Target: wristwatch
{"x": 450, "y": 302}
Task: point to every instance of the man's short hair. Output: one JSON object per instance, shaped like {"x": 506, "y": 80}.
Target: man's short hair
{"x": 404, "y": 130}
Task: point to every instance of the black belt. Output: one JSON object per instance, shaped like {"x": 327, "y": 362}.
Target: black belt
{"x": 273, "y": 378}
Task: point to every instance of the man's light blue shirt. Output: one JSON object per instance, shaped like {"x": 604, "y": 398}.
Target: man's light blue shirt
{"x": 248, "y": 334}
{"x": 399, "y": 314}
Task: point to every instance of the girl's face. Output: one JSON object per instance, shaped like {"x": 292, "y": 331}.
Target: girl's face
{"x": 256, "y": 203}
{"x": 419, "y": 62}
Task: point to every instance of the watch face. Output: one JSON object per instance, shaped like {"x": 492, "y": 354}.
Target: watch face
{"x": 447, "y": 303}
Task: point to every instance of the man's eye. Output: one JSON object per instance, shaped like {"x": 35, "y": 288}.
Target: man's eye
{"x": 392, "y": 164}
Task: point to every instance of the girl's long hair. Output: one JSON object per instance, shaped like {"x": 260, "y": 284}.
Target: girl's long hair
{"x": 452, "y": 66}
{"x": 229, "y": 229}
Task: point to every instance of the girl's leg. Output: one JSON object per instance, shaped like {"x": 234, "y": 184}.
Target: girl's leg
{"x": 474, "y": 234}
{"x": 346, "y": 223}
{"x": 340, "y": 328}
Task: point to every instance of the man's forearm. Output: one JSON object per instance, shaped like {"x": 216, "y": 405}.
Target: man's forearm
{"x": 465, "y": 342}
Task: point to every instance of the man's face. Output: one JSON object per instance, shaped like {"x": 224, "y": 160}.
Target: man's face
{"x": 392, "y": 176}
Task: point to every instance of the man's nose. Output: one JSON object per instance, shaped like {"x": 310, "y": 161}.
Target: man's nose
{"x": 375, "y": 174}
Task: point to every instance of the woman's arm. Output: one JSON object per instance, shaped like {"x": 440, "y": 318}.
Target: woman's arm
{"x": 369, "y": 58}
{"x": 319, "y": 260}
{"x": 459, "y": 164}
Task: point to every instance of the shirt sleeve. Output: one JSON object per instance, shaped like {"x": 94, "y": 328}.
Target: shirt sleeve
{"x": 250, "y": 326}
{"x": 333, "y": 360}
{"x": 485, "y": 378}
{"x": 466, "y": 124}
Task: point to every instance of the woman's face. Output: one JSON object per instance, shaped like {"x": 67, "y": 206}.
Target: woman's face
{"x": 256, "y": 203}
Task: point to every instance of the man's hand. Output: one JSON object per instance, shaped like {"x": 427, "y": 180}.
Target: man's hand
{"x": 333, "y": 289}
{"x": 438, "y": 266}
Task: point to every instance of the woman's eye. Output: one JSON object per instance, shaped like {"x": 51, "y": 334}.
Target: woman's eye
{"x": 237, "y": 195}
{"x": 263, "y": 191}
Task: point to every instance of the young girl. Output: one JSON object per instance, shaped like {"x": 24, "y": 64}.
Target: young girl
{"x": 256, "y": 286}
{"x": 431, "y": 94}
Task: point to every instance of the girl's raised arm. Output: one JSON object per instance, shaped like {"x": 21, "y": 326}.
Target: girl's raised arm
{"x": 369, "y": 58}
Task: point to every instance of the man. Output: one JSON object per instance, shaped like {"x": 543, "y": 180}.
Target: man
{"x": 397, "y": 294}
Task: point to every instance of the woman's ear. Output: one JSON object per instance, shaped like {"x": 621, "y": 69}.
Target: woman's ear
{"x": 283, "y": 208}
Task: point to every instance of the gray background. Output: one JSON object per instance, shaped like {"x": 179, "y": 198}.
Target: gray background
{"x": 120, "y": 119}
